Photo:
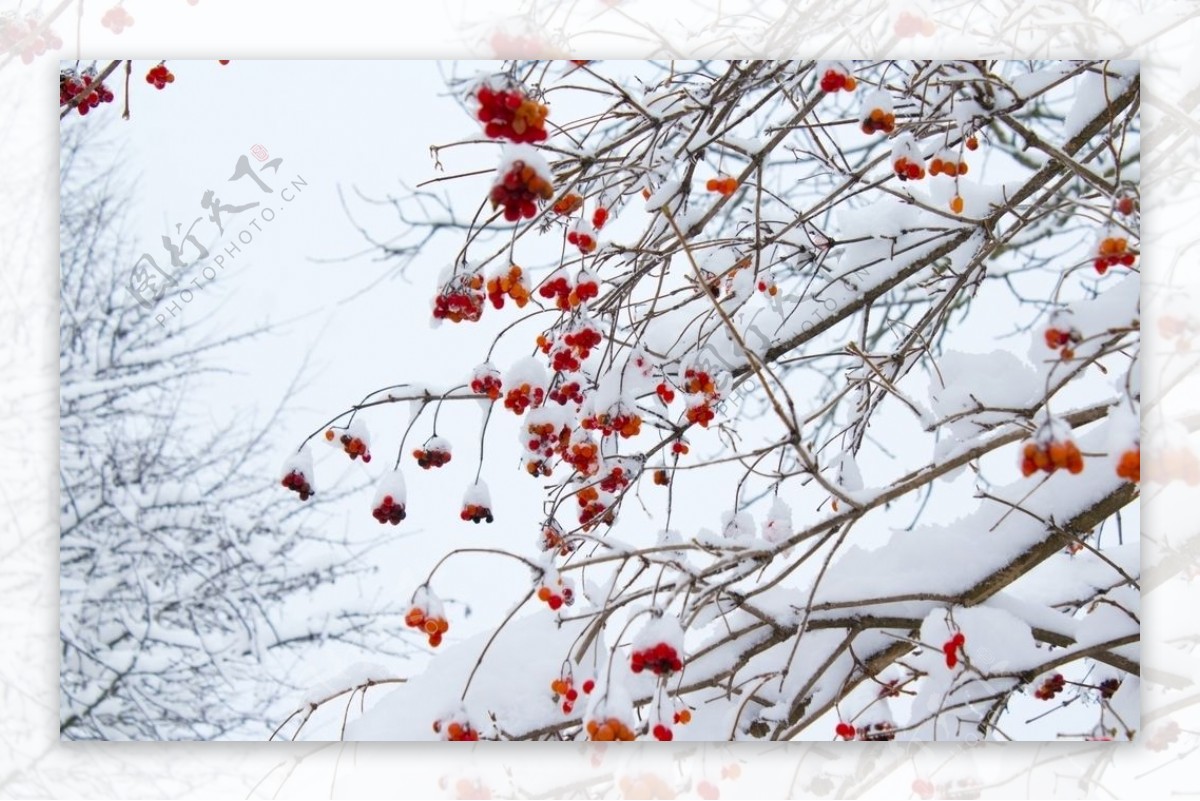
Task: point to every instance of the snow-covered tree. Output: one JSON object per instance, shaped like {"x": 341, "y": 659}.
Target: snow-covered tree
{"x": 832, "y": 404}
{"x": 188, "y": 590}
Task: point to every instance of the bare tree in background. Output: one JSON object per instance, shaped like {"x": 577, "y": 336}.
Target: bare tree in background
{"x": 188, "y": 590}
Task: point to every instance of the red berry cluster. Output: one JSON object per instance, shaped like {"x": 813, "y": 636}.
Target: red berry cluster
{"x": 510, "y": 284}
{"x": 701, "y": 385}
{"x": 1050, "y": 687}
{"x": 519, "y": 191}
{"x": 1113, "y": 250}
{"x": 1130, "y": 465}
{"x": 509, "y": 114}
{"x": 616, "y": 480}
{"x": 460, "y": 299}
{"x": 432, "y": 625}
{"x": 564, "y": 690}
{"x": 568, "y": 205}
{"x": 626, "y": 424}
{"x": 476, "y": 513}
{"x": 766, "y": 284}
{"x": 583, "y": 238}
{"x": 388, "y": 511}
{"x": 116, "y": 19}
{"x": 432, "y": 455}
{"x": 664, "y": 392}
{"x": 1051, "y": 456}
{"x": 297, "y": 482}
{"x": 660, "y": 659}
{"x": 724, "y": 186}
{"x": 952, "y": 646}
{"x": 834, "y": 80}
{"x": 1126, "y": 205}
{"x": 567, "y": 392}
{"x": 845, "y": 731}
{"x": 679, "y": 447}
{"x": 557, "y": 596}
{"x": 160, "y": 76}
{"x": 521, "y": 398}
{"x": 907, "y": 170}
{"x": 554, "y": 539}
{"x": 1064, "y": 339}
{"x": 572, "y": 349}
{"x": 455, "y": 731}
{"x": 1108, "y": 688}
{"x": 592, "y": 510}
{"x": 566, "y": 295}
{"x": 610, "y": 730}
{"x": 352, "y": 445}
{"x": 486, "y": 381}
{"x": 879, "y": 120}
{"x": 27, "y": 37}
{"x": 90, "y": 95}
{"x": 583, "y": 455}
{"x": 662, "y": 731}
{"x": 947, "y": 164}
{"x": 599, "y": 218}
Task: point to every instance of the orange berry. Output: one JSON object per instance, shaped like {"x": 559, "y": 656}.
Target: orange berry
{"x": 329, "y": 434}
{"x": 956, "y": 204}
{"x": 851, "y": 84}
{"x": 544, "y": 594}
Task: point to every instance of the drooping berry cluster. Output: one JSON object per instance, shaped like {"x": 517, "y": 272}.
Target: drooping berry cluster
{"x": 1129, "y": 467}
{"x": 1108, "y": 688}
{"x": 599, "y": 217}
{"x": 661, "y": 659}
{"x": 27, "y": 37}
{"x": 435, "y": 453}
{"x": 617, "y": 420}
{"x": 834, "y": 81}
{"x": 508, "y": 283}
{"x": 766, "y": 285}
{"x": 1049, "y": 456}
{"x": 509, "y": 114}
{"x": 523, "y": 397}
{"x": 567, "y": 392}
{"x": 947, "y": 163}
{"x": 90, "y": 93}
{"x": 664, "y": 392}
{"x": 592, "y": 508}
{"x": 1050, "y": 687}
{"x": 460, "y": 299}
{"x": 568, "y": 204}
{"x": 569, "y": 351}
{"x": 353, "y": 441}
{"x": 477, "y": 504}
{"x": 952, "y": 647}
{"x": 662, "y": 731}
{"x": 426, "y": 614}
{"x": 564, "y": 691}
{"x": 557, "y": 593}
{"x": 485, "y": 380}
{"x": 845, "y": 731}
{"x": 610, "y": 730}
{"x": 553, "y": 539}
{"x": 456, "y": 731}
{"x": 724, "y": 186}
{"x": 907, "y": 170}
{"x": 878, "y": 120}
{"x": 1113, "y": 250}
{"x": 568, "y": 295}
{"x": 583, "y": 237}
{"x": 159, "y": 76}
{"x": 1063, "y": 340}
{"x": 390, "y": 497}
{"x": 661, "y": 478}
{"x": 701, "y": 388}
{"x": 519, "y": 190}
{"x": 297, "y": 482}
{"x": 116, "y": 19}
